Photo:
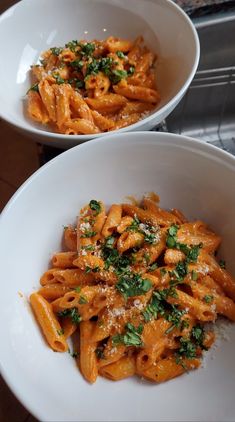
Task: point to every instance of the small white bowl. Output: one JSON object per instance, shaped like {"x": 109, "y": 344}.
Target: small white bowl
{"x": 32, "y": 26}
{"x": 187, "y": 174}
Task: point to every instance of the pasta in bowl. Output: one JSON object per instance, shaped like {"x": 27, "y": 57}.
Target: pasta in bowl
{"x": 188, "y": 175}
{"x": 58, "y": 23}
{"x": 139, "y": 283}
{"x": 92, "y": 87}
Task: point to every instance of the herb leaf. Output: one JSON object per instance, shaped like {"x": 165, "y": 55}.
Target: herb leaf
{"x": 72, "y": 313}
{"x": 208, "y": 298}
{"x": 56, "y": 50}
{"x": 131, "y": 337}
{"x": 120, "y": 54}
{"x": 222, "y": 264}
{"x": 95, "y": 206}
{"x": 133, "y": 285}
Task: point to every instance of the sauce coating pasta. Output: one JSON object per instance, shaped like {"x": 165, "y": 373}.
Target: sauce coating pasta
{"x": 137, "y": 285}
{"x": 92, "y": 87}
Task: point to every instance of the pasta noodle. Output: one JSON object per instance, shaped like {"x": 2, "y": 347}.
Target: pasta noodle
{"x": 92, "y": 87}
{"x": 137, "y": 284}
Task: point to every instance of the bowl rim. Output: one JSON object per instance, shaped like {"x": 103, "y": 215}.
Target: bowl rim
{"x": 59, "y": 136}
{"x": 177, "y": 139}
{"x": 194, "y": 145}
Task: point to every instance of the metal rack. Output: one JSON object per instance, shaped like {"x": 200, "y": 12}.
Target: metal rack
{"x": 207, "y": 111}
{"x": 201, "y": 115}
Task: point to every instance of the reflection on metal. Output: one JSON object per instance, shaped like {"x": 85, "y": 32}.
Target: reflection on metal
{"x": 207, "y": 111}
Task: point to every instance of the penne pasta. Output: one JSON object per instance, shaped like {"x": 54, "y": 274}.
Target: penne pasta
{"x": 48, "y": 322}
{"x": 92, "y": 87}
{"x": 136, "y": 296}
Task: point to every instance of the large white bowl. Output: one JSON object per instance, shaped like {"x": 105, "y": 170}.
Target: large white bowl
{"x": 187, "y": 174}
{"x": 32, "y": 26}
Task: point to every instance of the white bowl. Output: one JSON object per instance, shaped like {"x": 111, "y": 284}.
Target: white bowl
{"x": 187, "y": 174}
{"x": 32, "y": 26}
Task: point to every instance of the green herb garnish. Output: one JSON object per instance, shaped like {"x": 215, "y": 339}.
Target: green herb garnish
{"x": 72, "y": 45}
{"x": 153, "y": 267}
{"x": 131, "y": 337}
{"x": 133, "y": 285}
{"x": 34, "y": 88}
{"x": 95, "y": 206}
{"x": 100, "y": 352}
{"x": 120, "y": 54}
{"x": 88, "y": 233}
{"x": 222, "y": 264}
{"x": 72, "y": 313}
{"x": 117, "y": 75}
{"x": 198, "y": 335}
{"x": 194, "y": 275}
{"x": 77, "y": 64}
{"x": 83, "y": 300}
{"x": 87, "y": 49}
{"x": 56, "y": 50}
{"x": 208, "y": 298}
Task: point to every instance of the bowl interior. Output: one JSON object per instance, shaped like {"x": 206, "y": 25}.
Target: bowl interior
{"x": 29, "y": 28}
{"x": 189, "y": 175}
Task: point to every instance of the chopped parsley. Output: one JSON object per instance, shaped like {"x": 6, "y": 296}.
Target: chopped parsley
{"x": 78, "y": 289}
{"x": 60, "y": 332}
{"x": 100, "y": 352}
{"x": 131, "y": 70}
{"x": 159, "y": 306}
{"x": 72, "y": 313}
{"x": 190, "y": 252}
{"x": 153, "y": 267}
{"x": 86, "y": 49}
{"x": 131, "y": 337}
{"x": 72, "y": 45}
{"x": 88, "y": 248}
{"x": 83, "y": 300}
{"x": 194, "y": 275}
{"x": 146, "y": 257}
{"x": 179, "y": 273}
{"x": 208, "y": 298}
{"x": 198, "y": 335}
{"x": 133, "y": 285}
{"x": 58, "y": 79}
{"x": 94, "y": 270}
{"x": 95, "y": 206}
{"x": 193, "y": 252}
{"x": 117, "y": 75}
{"x": 92, "y": 68}
{"x": 105, "y": 65}
{"x": 171, "y": 236}
{"x": 147, "y": 230}
{"x": 134, "y": 226}
{"x": 120, "y": 54}
{"x": 34, "y": 88}
{"x": 175, "y": 318}
{"x": 88, "y": 233}
{"x": 109, "y": 242}
{"x": 56, "y": 50}
{"x": 187, "y": 348}
{"x": 222, "y": 264}
{"x": 79, "y": 83}
{"x": 121, "y": 263}
{"x": 163, "y": 271}
{"x": 77, "y": 64}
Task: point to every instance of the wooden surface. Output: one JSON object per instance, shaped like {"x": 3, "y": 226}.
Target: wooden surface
{"x": 18, "y": 160}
